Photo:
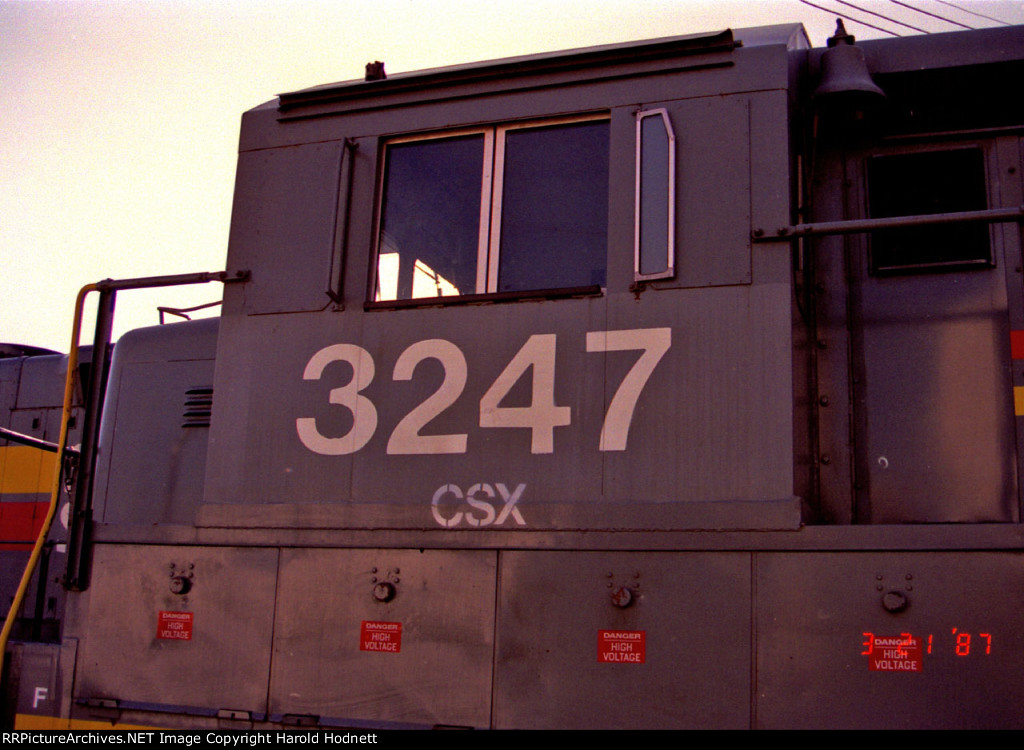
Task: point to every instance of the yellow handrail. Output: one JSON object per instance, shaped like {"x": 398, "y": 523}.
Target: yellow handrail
{"x": 33, "y": 560}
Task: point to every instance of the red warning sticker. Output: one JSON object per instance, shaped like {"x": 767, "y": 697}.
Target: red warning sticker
{"x": 621, "y": 646}
{"x": 175, "y": 626}
{"x": 898, "y": 653}
{"x": 381, "y": 636}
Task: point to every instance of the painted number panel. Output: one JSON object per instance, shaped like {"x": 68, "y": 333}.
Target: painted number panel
{"x": 535, "y": 361}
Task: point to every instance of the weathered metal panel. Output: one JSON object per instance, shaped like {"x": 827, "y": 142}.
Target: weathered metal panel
{"x": 948, "y": 50}
{"x": 283, "y": 223}
{"x": 714, "y": 202}
{"x": 709, "y": 421}
{"x": 719, "y": 427}
{"x": 36, "y": 680}
{"x": 10, "y": 374}
{"x": 774, "y": 192}
{"x": 149, "y": 418}
{"x": 1010, "y": 156}
{"x": 932, "y": 378}
{"x": 492, "y": 455}
{"x": 718, "y": 397}
{"x": 831, "y": 355}
{"x": 344, "y": 650}
{"x": 940, "y": 441}
{"x": 225, "y": 664}
{"x": 689, "y": 669}
{"x": 814, "y": 614}
{"x": 629, "y": 418}
{"x": 413, "y": 109}
{"x": 507, "y": 73}
{"x": 26, "y": 483}
{"x": 42, "y": 382}
{"x": 145, "y": 415}
{"x": 50, "y": 599}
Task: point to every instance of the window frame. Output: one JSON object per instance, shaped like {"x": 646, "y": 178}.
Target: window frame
{"x": 642, "y": 191}
{"x": 877, "y": 238}
{"x": 491, "y": 195}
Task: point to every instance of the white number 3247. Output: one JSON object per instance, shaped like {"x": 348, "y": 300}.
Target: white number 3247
{"x": 541, "y": 416}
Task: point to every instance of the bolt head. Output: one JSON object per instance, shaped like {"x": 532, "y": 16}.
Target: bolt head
{"x": 384, "y": 591}
{"x": 622, "y": 597}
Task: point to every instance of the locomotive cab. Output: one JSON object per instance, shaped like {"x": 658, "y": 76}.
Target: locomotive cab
{"x": 926, "y": 312}
{"x": 571, "y": 384}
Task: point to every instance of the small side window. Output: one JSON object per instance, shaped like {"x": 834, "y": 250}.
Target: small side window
{"x": 655, "y": 196}
{"x": 933, "y": 182}
{"x": 504, "y": 209}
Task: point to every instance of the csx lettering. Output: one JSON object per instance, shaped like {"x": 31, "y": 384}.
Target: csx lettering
{"x": 480, "y": 498}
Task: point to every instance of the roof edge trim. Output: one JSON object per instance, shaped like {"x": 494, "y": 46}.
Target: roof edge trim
{"x": 514, "y": 67}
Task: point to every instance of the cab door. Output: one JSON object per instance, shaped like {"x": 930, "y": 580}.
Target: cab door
{"x": 931, "y": 309}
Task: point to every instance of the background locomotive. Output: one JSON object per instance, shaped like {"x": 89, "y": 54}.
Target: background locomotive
{"x": 664, "y": 384}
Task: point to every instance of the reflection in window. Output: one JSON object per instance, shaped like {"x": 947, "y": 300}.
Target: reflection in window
{"x": 426, "y": 282}
{"x": 655, "y": 196}
{"x": 430, "y": 217}
{"x": 453, "y": 224}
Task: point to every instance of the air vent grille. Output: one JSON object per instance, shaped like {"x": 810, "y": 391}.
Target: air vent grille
{"x": 198, "y": 406}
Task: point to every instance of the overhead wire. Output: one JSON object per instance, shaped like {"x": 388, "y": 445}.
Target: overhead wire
{"x": 887, "y": 18}
{"x": 973, "y": 13}
{"x": 927, "y": 13}
{"x": 850, "y": 18}
{"x": 908, "y": 6}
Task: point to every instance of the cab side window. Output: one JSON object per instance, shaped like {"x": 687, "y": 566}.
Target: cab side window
{"x": 931, "y": 182}
{"x": 509, "y": 208}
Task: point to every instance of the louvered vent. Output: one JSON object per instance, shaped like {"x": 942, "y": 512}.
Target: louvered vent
{"x": 198, "y": 404}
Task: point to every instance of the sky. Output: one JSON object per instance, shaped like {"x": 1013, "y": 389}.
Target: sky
{"x": 119, "y": 124}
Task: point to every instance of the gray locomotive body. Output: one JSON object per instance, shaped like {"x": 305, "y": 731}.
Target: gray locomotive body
{"x": 562, "y": 393}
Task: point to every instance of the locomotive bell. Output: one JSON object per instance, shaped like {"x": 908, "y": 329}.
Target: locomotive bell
{"x": 844, "y": 72}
